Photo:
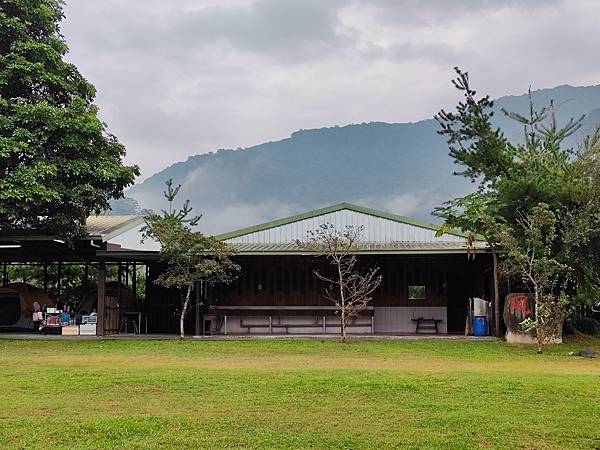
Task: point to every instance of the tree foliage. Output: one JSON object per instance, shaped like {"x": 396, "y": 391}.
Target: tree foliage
{"x": 58, "y": 163}
{"x": 191, "y": 256}
{"x": 482, "y": 150}
{"x": 530, "y": 257}
{"x": 348, "y": 288}
{"x": 516, "y": 182}
{"x": 581, "y": 224}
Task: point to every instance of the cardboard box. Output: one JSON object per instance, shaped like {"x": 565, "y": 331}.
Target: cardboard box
{"x": 70, "y": 330}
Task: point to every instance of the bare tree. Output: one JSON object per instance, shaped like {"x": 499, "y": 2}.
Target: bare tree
{"x": 347, "y": 287}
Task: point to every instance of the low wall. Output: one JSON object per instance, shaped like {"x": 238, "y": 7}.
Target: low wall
{"x": 394, "y": 319}
{"x": 398, "y": 319}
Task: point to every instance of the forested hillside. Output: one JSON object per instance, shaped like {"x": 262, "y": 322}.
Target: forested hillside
{"x": 399, "y": 167}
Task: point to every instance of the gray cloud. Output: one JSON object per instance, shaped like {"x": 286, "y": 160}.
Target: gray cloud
{"x": 285, "y": 30}
{"x": 439, "y": 12}
{"x": 189, "y": 76}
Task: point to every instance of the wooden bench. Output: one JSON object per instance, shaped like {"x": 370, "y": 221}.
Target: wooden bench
{"x": 319, "y": 313}
{"x": 427, "y": 324}
{"x": 320, "y": 322}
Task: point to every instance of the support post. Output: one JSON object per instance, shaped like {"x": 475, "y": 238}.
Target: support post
{"x": 147, "y": 283}
{"x": 324, "y": 324}
{"x": 101, "y": 299}
{"x": 270, "y": 324}
{"x": 496, "y": 294}
{"x": 134, "y": 283}
{"x": 198, "y": 288}
{"x": 58, "y": 286}
{"x": 373, "y": 324}
{"x": 45, "y": 278}
{"x": 85, "y": 282}
{"x": 119, "y": 281}
{"x": 224, "y": 324}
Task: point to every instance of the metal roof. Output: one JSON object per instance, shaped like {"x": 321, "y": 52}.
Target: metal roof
{"x": 365, "y": 248}
{"x": 47, "y": 248}
{"x": 108, "y": 227}
{"x": 333, "y": 209}
{"x": 384, "y": 233}
{"x": 97, "y": 227}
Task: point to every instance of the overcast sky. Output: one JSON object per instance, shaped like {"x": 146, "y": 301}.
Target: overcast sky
{"x": 182, "y": 77}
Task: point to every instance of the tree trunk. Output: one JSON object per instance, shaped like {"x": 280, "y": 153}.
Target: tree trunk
{"x": 184, "y": 311}
{"x": 343, "y": 303}
{"x": 496, "y": 293}
{"x": 539, "y": 332}
{"x": 343, "y": 324}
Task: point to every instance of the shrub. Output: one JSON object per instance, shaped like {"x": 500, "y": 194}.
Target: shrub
{"x": 587, "y": 325}
{"x": 569, "y": 327}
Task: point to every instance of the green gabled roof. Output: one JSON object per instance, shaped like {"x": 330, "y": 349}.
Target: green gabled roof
{"x": 332, "y": 209}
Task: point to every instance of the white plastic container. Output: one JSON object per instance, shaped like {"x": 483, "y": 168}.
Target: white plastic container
{"x": 87, "y": 329}
{"x": 480, "y": 307}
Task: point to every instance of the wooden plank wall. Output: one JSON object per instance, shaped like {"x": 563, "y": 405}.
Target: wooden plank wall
{"x": 162, "y": 304}
{"x": 289, "y": 280}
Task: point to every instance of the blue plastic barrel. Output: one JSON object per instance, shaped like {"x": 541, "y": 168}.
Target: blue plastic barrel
{"x": 480, "y": 326}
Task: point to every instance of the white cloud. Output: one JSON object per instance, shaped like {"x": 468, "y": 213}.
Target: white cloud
{"x": 186, "y": 77}
{"x": 236, "y": 216}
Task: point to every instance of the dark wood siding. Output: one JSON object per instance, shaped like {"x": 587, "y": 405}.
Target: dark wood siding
{"x": 290, "y": 280}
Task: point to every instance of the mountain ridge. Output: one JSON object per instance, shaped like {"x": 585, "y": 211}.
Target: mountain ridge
{"x": 398, "y": 167}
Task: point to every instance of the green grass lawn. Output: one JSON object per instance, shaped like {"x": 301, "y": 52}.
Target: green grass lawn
{"x": 296, "y": 394}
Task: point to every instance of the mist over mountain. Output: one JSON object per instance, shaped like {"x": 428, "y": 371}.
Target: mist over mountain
{"x": 398, "y": 167}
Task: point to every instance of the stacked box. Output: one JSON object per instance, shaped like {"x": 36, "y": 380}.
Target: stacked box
{"x": 70, "y": 330}
{"x": 87, "y": 329}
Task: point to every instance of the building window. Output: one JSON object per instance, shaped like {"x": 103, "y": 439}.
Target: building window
{"x": 416, "y": 292}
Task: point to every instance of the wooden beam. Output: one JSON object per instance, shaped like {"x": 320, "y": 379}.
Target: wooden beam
{"x": 58, "y": 286}
{"x": 45, "y": 278}
{"x": 278, "y": 308}
{"x": 101, "y": 298}
{"x": 134, "y": 283}
{"x": 86, "y": 275}
{"x": 198, "y": 286}
{"x": 119, "y": 281}
{"x": 496, "y": 290}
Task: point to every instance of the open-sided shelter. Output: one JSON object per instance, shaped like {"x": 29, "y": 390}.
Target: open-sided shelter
{"x": 427, "y": 280}
{"x": 53, "y": 257}
{"x": 424, "y": 277}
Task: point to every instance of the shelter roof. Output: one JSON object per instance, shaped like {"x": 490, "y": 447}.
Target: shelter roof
{"x": 108, "y": 227}
{"x": 322, "y": 212}
{"x": 383, "y": 233}
{"x": 47, "y": 248}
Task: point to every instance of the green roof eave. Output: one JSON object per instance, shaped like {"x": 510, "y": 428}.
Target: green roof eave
{"x": 331, "y": 209}
{"x": 364, "y": 252}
